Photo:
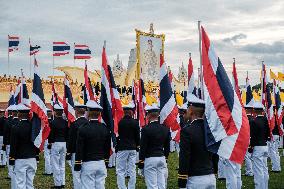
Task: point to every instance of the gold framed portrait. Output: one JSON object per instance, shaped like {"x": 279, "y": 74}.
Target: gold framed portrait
{"x": 149, "y": 46}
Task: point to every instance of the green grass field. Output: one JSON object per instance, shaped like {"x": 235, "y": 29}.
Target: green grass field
{"x": 276, "y": 181}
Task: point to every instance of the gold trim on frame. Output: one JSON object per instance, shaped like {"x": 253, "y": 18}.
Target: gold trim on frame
{"x": 138, "y": 34}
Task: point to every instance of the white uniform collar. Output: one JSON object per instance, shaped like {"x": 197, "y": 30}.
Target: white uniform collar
{"x": 196, "y": 120}
{"x": 153, "y": 121}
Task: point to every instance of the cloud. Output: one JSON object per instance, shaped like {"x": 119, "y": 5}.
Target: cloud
{"x": 235, "y": 38}
{"x": 263, "y": 48}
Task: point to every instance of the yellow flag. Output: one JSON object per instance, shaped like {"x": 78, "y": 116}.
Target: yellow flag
{"x": 179, "y": 99}
{"x": 281, "y": 76}
{"x": 273, "y": 75}
{"x": 282, "y": 96}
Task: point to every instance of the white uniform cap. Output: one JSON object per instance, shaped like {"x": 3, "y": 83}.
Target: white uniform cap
{"x": 194, "y": 101}
{"x": 57, "y": 107}
{"x": 93, "y": 105}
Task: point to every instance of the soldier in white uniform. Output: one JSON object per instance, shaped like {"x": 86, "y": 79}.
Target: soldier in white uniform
{"x": 57, "y": 142}
{"x": 259, "y": 137}
{"x": 23, "y": 151}
{"x": 196, "y": 166}
{"x": 47, "y": 152}
{"x": 128, "y": 142}
{"x": 93, "y": 149}
{"x": 71, "y": 145}
{"x": 154, "y": 150}
{"x": 2, "y": 152}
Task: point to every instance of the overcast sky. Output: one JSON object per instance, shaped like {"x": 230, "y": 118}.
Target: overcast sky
{"x": 250, "y": 31}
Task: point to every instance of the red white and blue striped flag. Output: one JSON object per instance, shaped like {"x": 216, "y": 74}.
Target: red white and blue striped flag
{"x": 82, "y": 52}
{"x": 279, "y": 113}
{"x": 40, "y": 125}
{"x": 266, "y": 99}
{"x": 13, "y": 43}
{"x": 226, "y": 123}
{"x": 89, "y": 93}
{"x": 169, "y": 115}
{"x": 190, "y": 76}
{"x": 110, "y": 100}
{"x": 249, "y": 96}
{"x": 68, "y": 103}
{"x": 55, "y": 98}
{"x": 60, "y": 48}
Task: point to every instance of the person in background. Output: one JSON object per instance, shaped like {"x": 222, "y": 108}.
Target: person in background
{"x": 23, "y": 152}
{"x": 3, "y": 158}
{"x": 196, "y": 169}
{"x": 128, "y": 142}
{"x": 57, "y": 143}
{"x": 81, "y": 120}
{"x": 93, "y": 149}
{"x": 154, "y": 149}
{"x": 259, "y": 137}
{"x": 47, "y": 152}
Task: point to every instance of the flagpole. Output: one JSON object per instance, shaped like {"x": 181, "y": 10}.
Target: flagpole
{"x": 30, "y": 60}
{"x": 201, "y": 70}
{"x": 53, "y": 64}
{"x": 74, "y": 60}
{"x": 8, "y": 59}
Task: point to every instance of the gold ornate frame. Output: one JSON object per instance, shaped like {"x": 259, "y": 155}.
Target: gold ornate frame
{"x": 138, "y": 34}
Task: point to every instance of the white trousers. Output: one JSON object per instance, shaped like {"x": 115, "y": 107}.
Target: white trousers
{"x": 274, "y": 153}
{"x": 111, "y": 162}
{"x": 221, "y": 167}
{"x": 76, "y": 174}
{"x": 93, "y": 175}
{"x": 125, "y": 166}
{"x": 260, "y": 170}
{"x": 58, "y": 151}
{"x": 11, "y": 173}
{"x": 3, "y": 158}
{"x": 155, "y": 169}
{"x": 25, "y": 170}
{"x": 177, "y": 148}
{"x": 47, "y": 159}
{"x": 201, "y": 182}
{"x": 233, "y": 175}
{"x": 172, "y": 146}
{"x": 248, "y": 164}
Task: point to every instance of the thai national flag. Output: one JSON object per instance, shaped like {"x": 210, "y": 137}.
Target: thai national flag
{"x": 40, "y": 125}
{"x": 169, "y": 115}
{"x": 141, "y": 103}
{"x": 235, "y": 82}
{"x": 266, "y": 98}
{"x": 60, "y": 48}
{"x": 110, "y": 100}
{"x": 24, "y": 92}
{"x": 55, "y": 99}
{"x": 13, "y": 43}
{"x": 191, "y": 87}
{"x": 249, "y": 96}
{"x": 88, "y": 90}
{"x": 18, "y": 92}
{"x": 34, "y": 50}
{"x": 82, "y": 52}
{"x": 11, "y": 100}
{"x": 279, "y": 108}
{"x": 68, "y": 103}
{"x": 226, "y": 124}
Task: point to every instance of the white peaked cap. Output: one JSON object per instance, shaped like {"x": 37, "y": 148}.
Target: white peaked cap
{"x": 153, "y": 107}
{"x": 77, "y": 104}
{"x": 12, "y": 107}
{"x": 194, "y": 101}
{"x": 22, "y": 107}
{"x": 91, "y": 104}
{"x": 183, "y": 107}
{"x": 258, "y": 105}
{"x": 57, "y": 107}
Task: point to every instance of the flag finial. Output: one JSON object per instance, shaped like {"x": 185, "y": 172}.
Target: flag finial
{"x": 189, "y": 54}
{"x": 104, "y": 43}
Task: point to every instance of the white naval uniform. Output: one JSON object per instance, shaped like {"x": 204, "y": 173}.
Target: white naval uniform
{"x": 233, "y": 175}
{"x": 3, "y": 158}
{"x": 274, "y": 153}
{"x": 155, "y": 170}
{"x": 25, "y": 170}
{"x": 201, "y": 182}
{"x": 47, "y": 159}
{"x": 58, "y": 152}
{"x": 76, "y": 174}
{"x": 260, "y": 170}
{"x": 248, "y": 164}
{"x": 93, "y": 174}
{"x": 221, "y": 168}
{"x": 125, "y": 166}
{"x": 111, "y": 162}
{"x": 11, "y": 173}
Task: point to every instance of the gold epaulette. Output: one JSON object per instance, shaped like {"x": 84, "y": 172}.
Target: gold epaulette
{"x": 78, "y": 162}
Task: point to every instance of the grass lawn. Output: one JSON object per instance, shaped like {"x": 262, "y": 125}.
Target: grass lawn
{"x": 276, "y": 181}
